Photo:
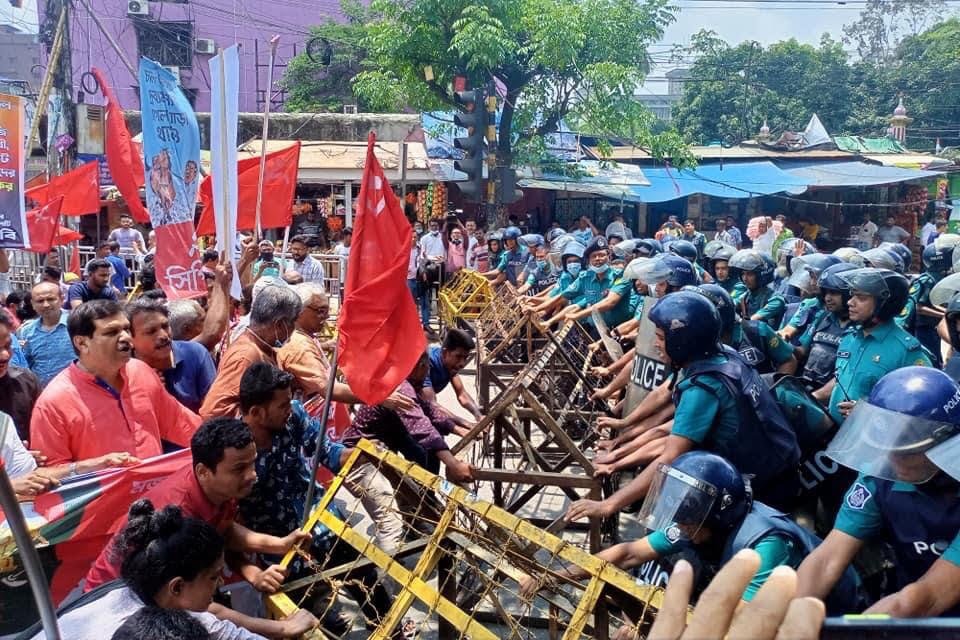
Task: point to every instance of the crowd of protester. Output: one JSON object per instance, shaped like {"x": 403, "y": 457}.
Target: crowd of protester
{"x": 94, "y": 377}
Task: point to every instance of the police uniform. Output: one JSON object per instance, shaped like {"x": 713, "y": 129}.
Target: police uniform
{"x": 920, "y": 522}
{"x": 542, "y": 278}
{"x": 821, "y": 341}
{"x": 590, "y": 288}
{"x": 512, "y": 263}
{"x": 737, "y": 289}
{"x": 922, "y": 326}
{"x": 724, "y": 406}
{"x": 779, "y": 541}
{"x": 760, "y": 345}
{"x": 764, "y": 303}
{"x": 862, "y": 359}
{"x": 564, "y": 280}
{"x": 806, "y": 313}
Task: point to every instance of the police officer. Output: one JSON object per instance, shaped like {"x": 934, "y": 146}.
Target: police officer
{"x": 805, "y": 277}
{"x": 902, "y": 251}
{"x": 494, "y": 248}
{"x": 881, "y": 258}
{"x": 819, "y": 343}
{"x": 917, "y": 317}
{"x": 606, "y": 292}
{"x": 702, "y": 503}
{"x": 512, "y": 261}
{"x": 648, "y": 247}
{"x": 758, "y": 302}
{"x": 899, "y": 440}
{"x": 722, "y": 406}
{"x": 951, "y": 319}
{"x": 755, "y": 341}
{"x": 571, "y": 259}
{"x": 542, "y": 275}
{"x": 784, "y": 255}
{"x": 717, "y": 256}
{"x": 877, "y": 345}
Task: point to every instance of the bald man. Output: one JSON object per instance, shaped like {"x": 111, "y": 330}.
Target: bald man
{"x": 46, "y": 343}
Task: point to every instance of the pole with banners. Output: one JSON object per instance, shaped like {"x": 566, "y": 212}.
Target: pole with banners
{"x": 266, "y": 131}
{"x": 14, "y": 233}
{"x": 224, "y": 107}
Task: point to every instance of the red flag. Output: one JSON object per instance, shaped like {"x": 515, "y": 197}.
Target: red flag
{"x": 124, "y": 156}
{"x": 44, "y": 225}
{"x": 79, "y": 188}
{"x": 75, "y": 261}
{"x": 380, "y": 334}
{"x": 279, "y": 184}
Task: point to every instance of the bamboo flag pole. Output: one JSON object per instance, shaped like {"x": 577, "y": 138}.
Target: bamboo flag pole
{"x": 47, "y": 84}
{"x": 266, "y": 131}
{"x": 226, "y": 243}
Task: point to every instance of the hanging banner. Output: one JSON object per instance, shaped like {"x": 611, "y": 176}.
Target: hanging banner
{"x": 171, "y": 152}
{"x": 13, "y": 215}
{"x": 648, "y": 371}
{"x": 224, "y": 118}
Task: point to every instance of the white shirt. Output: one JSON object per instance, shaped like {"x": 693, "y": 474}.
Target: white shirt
{"x": 925, "y": 233}
{"x": 16, "y": 458}
{"x": 868, "y": 231}
{"x": 100, "y": 618}
{"x": 431, "y": 246}
{"x": 470, "y": 258}
{"x": 343, "y": 252}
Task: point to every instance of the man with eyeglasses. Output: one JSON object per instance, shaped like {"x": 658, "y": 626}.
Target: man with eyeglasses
{"x": 303, "y": 358}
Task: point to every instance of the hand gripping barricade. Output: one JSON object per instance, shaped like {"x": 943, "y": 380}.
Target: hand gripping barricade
{"x": 464, "y": 297}
{"x": 466, "y": 540}
{"x": 508, "y": 339}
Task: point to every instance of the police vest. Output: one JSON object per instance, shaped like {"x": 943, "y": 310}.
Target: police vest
{"x": 822, "y": 359}
{"x": 762, "y": 521}
{"x": 516, "y": 260}
{"x": 545, "y": 279}
{"x": 808, "y": 313}
{"x": 766, "y": 444}
{"x": 919, "y": 525}
{"x": 752, "y": 348}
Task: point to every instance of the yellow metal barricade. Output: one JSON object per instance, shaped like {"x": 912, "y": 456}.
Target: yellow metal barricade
{"x": 464, "y": 297}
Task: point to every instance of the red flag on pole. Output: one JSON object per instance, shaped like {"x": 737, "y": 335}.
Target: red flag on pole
{"x": 79, "y": 189}
{"x": 279, "y": 186}
{"x": 44, "y": 225}
{"x": 380, "y": 334}
{"x": 124, "y": 156}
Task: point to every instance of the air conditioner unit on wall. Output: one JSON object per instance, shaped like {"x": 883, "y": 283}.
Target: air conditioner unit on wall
{"x": 206, "y": 46}
{"x": 175, "y": 71}
{"x": 138, "y": 8}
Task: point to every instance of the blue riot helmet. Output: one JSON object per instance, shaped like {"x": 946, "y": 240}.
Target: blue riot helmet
{"x": 495, "y": 237}
{"x": 685, "y": 249}
{"x": 830, "y": 280}
{"x": 722, "y": 301}
{"x": 561, "y": 241}
{"x": 880, "y": 258}
{"x": 690, "y": 324}
{"x": 847, "y": 254}
{"x": 890, "y": 435}
{"x": 668, "y": 268}
{"x": 906, "y": 256}
{"x": 752, "y": 261}
{"x": 532, "y": 240}
{"x": 616, "y": 230}
{"x": 888, "y": 288}
{"x": 511, "y": 233}
{"x": 624, "y": 250}
{"x": 806, "y": 270}
{"x": 553, "y": 234}
{"x": 572, "y": 249}
{"x": 937, "y": 260}
{"x": 719, "y": 252}
{"x": 648, "y": 247}
{"x": 697, "y": 490}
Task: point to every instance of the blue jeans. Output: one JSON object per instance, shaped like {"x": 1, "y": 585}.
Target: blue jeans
{"x": 421, "y": 297}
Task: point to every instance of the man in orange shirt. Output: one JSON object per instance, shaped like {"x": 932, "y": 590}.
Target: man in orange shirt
{"x": 106, "y": 402}
{"x": 272, "y": 316}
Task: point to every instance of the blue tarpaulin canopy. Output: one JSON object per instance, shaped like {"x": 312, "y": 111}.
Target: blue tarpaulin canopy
{"x": 730, "y": 180}
{"x": 851, "y": 173}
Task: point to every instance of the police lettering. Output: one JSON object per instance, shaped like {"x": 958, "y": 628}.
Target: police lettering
{"x": 814, "y": 471}
{"x": 648, "y": 373}
{"x": 952, "y": 403}
{"x": 938, "y": 547}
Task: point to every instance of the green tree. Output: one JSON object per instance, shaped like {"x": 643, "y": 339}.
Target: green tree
{"x": 883, "y": 24}
{"x": 734, "y": 89}
{"x": 311, "y": 84}
{"x": 574, "y": 60}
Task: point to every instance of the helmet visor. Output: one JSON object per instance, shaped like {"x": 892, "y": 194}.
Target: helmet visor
{"x": 889, "y": 445}
{"x": 635, "y": 268}
{"x": 866, "y": 280}
{"x": 947, "y": 241}
{"x": 652, "y": 271}
{"x": 947, "y": 457}
{"x": 677, "y": 504}
{"x": 944, "y": 290}
{"x": 880, "y": 259}
{"x": 801, "y": 277}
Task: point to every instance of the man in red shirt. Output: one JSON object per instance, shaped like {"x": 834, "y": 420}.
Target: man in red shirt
{"x": 223, "y": 471}
{"x": 106, "y": 402}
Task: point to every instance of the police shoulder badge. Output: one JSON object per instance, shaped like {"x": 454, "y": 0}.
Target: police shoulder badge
{"x": 857, "y": 496}
{"x": 672, "y": 533}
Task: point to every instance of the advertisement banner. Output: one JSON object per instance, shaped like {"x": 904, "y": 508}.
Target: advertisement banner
{"x": 13, "y": 215}
{"x": 171, "y": 151}
{"x": 224, "y": 118}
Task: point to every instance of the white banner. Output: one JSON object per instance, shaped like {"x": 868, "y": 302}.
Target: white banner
{"x": 224, "y": 104}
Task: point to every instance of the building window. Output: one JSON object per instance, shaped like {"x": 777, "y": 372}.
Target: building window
{"x": 169, "y": 43}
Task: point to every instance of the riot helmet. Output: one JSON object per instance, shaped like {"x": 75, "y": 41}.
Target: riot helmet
{"x": 888, "y": 289}
{"x": 722, "y": 301}
{"x": 752, "y": 261}
{"x": 685, "y": 249}
{"x": 690, "y": 324}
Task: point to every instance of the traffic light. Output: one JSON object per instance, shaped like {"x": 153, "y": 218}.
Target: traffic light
{"x": 473, "y": 117}
{"x": 506, "y": 191}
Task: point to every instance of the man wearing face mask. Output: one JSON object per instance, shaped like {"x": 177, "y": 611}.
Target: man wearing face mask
{"x": 273, "y": 315}
{"x": 592, "y": 285}
{"x": 106, "y": 405}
